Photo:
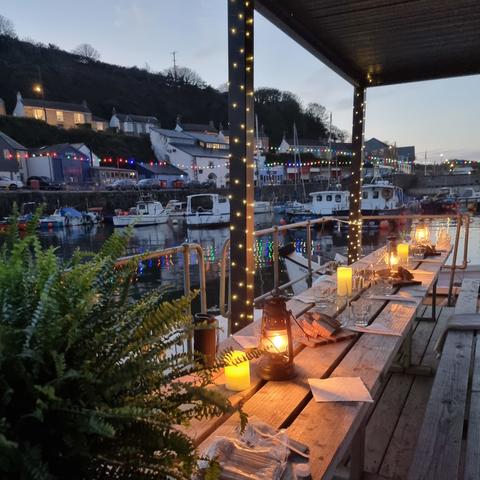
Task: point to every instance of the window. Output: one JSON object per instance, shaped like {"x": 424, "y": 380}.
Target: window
{"x": 79, "y": 118}
{"x": 376, "y": 194}
{"x": 319, "y": 198}
{"x": 211, "y": 165}
{"x": 364, "y": 194}
{"x": 338, "y": 198}
{"x": 39, "y": 113}
{"x": 59, "y": 114}
{"x": 99, "y": 126}
{"x": 329, "y": 198}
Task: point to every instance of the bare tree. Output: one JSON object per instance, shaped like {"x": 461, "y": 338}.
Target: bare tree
{"x": 184, "y": 76}
{"x": 87, "y": 52}
{"x": 7, "y": 28}
{"x": 318, "y": 112}
{"x": 223, "y": 87}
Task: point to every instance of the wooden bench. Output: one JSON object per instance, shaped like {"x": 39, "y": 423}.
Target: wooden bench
{"x": 448, "y": 446}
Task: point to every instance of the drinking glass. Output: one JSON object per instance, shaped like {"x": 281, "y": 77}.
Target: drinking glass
{"x": 360, "y": 312}
{"x": 324, "y": 295}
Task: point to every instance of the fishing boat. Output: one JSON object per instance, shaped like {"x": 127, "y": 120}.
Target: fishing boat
{"x": 469, "y": 200}
{"x": 444, "y": 201}
{"x": 146, "y": 212}
{"x": 207, "y": 210}
{"x": 329, "y": 202}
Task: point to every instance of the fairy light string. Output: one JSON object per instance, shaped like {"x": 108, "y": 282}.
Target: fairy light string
{"x": 242, "y": 166}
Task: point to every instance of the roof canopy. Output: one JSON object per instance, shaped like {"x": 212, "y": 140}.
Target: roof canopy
{"x": 383, "y": 42}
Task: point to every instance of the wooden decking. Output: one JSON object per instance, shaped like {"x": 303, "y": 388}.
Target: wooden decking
{"x": 395, "y": 422}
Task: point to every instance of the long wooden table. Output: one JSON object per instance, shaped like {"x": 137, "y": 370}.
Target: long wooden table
{"x": 328, "y": 429}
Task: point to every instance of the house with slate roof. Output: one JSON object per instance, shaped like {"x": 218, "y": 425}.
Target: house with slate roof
{"x": 11, "y": 155}
{"x": 58, "y": 114}
{"x": 204, "y": 156}
{"x": 133, "y": 124}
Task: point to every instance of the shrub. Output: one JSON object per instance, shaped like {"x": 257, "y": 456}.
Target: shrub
{"x": 89, "y": 376}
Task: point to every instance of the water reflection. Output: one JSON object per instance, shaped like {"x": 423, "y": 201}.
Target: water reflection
{"x": 168, "y": 271}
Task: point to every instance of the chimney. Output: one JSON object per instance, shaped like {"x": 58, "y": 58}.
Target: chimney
{"x": 211, "y": 124}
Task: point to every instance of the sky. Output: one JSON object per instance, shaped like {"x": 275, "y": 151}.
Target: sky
{"x": 439, "y": 117}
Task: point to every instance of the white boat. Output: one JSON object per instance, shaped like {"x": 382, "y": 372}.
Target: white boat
{"x": 63, "y": 217}
{"x": 175, "y": 208}
{"x": 298, "y": 208}
{"x": 207, "y": 210}
{"x": 263, "y": 207}
{"x": 146, "y": 212}
{"x": 329, "y": 202}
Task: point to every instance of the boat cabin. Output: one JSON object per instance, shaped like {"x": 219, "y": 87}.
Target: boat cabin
{"x": 149, "y": 207}
{"x": 381, "y": 196}
{"x": 207, "y": 203}
{"x": 329, "y": 202}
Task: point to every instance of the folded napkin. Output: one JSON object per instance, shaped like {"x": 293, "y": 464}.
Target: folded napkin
{"x": 339, "y": 389}
{"x": 246, "y": 341}
{"x": 376, "y": 329}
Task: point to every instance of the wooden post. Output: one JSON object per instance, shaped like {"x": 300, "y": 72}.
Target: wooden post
{"x": 355, "y": 217}
{"x": 242, "y": 166}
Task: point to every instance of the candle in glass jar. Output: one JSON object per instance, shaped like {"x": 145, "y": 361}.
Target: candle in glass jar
{"x": 344, "y": 281}
{"x": 237, "y": 373}
{"x": 402, "y": 252}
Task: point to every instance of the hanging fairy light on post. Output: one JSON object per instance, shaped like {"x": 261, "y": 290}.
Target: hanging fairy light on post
{"x": 276, "y": 341}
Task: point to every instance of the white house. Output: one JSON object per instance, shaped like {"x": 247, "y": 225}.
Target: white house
{"x": 205, "y": 156}
{"x": 133, "y": 124}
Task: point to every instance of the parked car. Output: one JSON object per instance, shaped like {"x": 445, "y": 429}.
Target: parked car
{"x": 44, "y": 183}
{"x": 149, "y": 184}
{"x": 124, "y": 184}
{"x": 10, "y": 184}
{"x": 194, "y": 184}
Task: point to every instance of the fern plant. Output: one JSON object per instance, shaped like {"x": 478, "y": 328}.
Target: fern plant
{"x": 89, "y": 377}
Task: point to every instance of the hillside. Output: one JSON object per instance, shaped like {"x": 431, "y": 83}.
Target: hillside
{"x": 68, "y": 77}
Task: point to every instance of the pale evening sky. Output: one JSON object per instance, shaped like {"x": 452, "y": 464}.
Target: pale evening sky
{"x": 440, "y": 116}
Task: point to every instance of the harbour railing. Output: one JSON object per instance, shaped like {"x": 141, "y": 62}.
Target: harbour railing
{"x": 462, "y": 220}
{"x": 185, "y": 249}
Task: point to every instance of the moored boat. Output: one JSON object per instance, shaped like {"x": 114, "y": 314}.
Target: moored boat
{"x": 207, "y": 210}
{"x": 146, "y": 212}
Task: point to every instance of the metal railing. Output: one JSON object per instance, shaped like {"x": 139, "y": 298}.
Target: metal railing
{"x": 462, "y": 220}
{"x": 185, "y": 249}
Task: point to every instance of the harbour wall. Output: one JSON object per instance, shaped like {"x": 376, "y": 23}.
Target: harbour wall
{"x": 413, "y": 185}
{"x": 111, "y": 200}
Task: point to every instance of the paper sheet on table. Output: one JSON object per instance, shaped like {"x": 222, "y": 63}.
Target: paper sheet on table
{"x": 376, "y": 329}
{"x": 310, "y": 295}
{"x": 246, "y": 341}
{"x": 400, "y": 297}
{"x": 339, "y": 389}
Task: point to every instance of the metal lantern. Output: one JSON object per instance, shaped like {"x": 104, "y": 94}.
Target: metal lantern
{"x": 276, "y": 341}
{"x": 422, "y": 234}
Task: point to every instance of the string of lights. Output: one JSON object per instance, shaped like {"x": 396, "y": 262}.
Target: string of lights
{"x": 241, "y": 116}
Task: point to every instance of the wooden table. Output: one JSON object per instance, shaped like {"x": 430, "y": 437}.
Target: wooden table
{"x": 328, "y": 429}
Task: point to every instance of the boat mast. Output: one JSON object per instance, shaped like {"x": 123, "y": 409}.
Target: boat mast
{"x": 297, "y": 151}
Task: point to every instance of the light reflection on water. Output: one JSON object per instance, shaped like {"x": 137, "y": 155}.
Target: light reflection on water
{"x": 169, "y": 270}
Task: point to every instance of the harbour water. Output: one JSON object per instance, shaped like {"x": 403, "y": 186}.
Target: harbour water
{"x": 168, "y": 271}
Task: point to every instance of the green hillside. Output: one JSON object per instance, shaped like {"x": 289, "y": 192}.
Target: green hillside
{"x": 71, "y": 78}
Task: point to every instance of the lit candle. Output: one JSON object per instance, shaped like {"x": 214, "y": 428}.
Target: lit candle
{"x": 402, "y": 252}
{"x": 344, "y": 281}
{"x": 393, "y": 262}
{"x": 237, "y": 373}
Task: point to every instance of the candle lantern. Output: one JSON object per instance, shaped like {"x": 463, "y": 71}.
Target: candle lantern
{"x": 402, "y": 252}
{"x": 344, "y": 281}
{"x": 276, "y": 341}
{"x": 393, "y": 262}
{"x": 422, "y": 234}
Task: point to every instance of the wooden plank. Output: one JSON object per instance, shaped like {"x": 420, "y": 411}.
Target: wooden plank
{"x": 275, "y": 402}
{"x": 472, "y": 454}
{"x": 384, "y": 419}
{"x": 468, "y": 297}
{"x": 437, "y": 454}
{"x": 401, "y": 448}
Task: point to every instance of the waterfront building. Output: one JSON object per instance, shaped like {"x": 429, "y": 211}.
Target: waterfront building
{"x": 60, "y": 163}
{"x": 205, "y": 156}
{"x": 133, "y": 124}
{"x": 58, "y": 114}
{"x": 168, "y": 174}
{"x": 107, "y": 175}
{"x": 11, "y": 155}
